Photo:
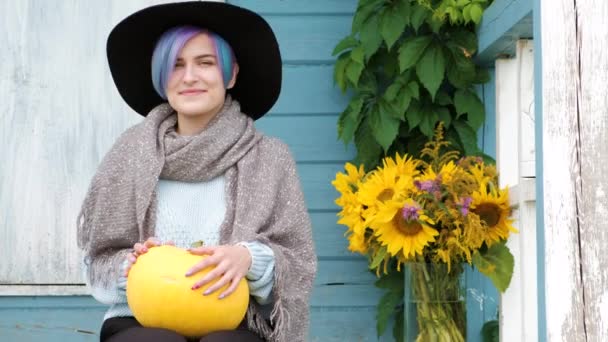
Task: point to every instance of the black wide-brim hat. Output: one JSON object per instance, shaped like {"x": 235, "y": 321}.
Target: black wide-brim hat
{"x": 131, "y": 44}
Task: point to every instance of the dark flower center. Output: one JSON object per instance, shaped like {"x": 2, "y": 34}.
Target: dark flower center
{"x": 489, "y": 213}
{"x": 407, "y": 227}
{"x": 385, "y": 195}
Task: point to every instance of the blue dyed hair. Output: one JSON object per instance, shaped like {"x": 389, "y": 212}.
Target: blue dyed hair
{"x": 171, "y": 43}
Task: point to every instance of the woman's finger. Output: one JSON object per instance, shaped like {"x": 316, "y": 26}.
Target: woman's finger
{"x": 152, "y": 242}
{"x": 170, "y": 243}
{"x": 234, "y": 283}
{"x": 204, "y": 250}
{"x": 139, "y": 249}
{"x": 219, "y": 284}
{"x": 206, "y": 262}
{"x": 216, "y": 273}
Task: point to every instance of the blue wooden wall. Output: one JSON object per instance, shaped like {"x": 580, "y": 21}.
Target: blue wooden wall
{"x": 344, "y": 300}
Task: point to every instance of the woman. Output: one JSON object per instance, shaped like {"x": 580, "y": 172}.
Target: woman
{"x": 196, "y": 169}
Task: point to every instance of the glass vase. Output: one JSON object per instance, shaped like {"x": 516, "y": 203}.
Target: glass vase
{"x": 435, "y": 303}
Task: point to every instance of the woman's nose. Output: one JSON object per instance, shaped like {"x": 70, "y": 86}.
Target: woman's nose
{"x": 189, "y": 74}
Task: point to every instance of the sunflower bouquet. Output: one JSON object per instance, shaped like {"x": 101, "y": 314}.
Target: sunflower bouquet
{"x": 434, "y": 214}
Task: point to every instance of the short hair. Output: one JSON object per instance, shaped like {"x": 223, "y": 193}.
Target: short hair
{"x": 170, "y": 44}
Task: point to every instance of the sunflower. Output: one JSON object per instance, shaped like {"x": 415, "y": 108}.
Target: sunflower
{"x": 406, "y": 167}
{"x": 493, "y": 210}
{"x": 348, "y": 182}
{"x": 380, "y": 188}
{"x": 403, "y": 228}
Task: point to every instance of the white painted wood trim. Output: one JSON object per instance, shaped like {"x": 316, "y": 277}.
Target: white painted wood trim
{"x": 575, "y": 164}
{"x": 515, "y": 154}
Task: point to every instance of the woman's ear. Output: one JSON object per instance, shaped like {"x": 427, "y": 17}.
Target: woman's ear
{"x": 235, "y": 72}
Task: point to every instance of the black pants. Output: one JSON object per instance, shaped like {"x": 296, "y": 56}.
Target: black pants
{"x": 127, "y": 329}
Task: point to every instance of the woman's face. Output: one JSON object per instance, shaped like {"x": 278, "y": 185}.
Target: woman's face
{"x": 195, "y": 88}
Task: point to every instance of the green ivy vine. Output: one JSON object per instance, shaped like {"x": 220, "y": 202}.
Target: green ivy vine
{"x": 408, "y": 65}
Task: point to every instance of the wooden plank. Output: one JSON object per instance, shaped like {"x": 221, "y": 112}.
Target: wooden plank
{"x": 56, "y": 124}
{"x": 591, "y": 191}
{"x": 329, "y": 236}
{"x": 309, "y": 89}
{"x": 309, "y": 39}
{"x": 285, "y": 7}
{"x": 78, "y": 319}
{"x": 516, "y": 128}
{"x": 564, "y": 288}
{"x": 316, "y": 183}
{"x": 503, "y": 23}
{"x": 310, "y": 138}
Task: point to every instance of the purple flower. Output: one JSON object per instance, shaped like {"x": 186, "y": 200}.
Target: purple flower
{"x": 465, "y": 204}
{"x": 410, "y": 212}
{"x": 428, "y": 185}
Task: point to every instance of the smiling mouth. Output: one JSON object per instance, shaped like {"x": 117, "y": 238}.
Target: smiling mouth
{"x": 192, "y": 92}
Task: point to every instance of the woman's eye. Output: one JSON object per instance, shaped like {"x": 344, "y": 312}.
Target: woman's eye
{"x": 206, "y": 63}
{"x": 178, "y": 65}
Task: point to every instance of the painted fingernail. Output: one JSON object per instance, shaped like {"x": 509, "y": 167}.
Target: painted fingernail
{"x": 222, "y": 296}
{"x": 206, "y": 293}
{"x": 189, "y": 273}
{"x": 194, "y": 287}
{"x": 144, "y": 249}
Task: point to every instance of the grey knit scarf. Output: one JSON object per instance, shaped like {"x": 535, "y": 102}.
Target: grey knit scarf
{"x": 264, "y": 203}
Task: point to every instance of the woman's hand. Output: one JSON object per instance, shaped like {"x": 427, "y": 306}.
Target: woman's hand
{"x": 231, "y": 264}
{"x": 141, "y": 248}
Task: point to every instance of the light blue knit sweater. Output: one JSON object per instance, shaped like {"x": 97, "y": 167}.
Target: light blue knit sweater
{"x": 190, "y": 212}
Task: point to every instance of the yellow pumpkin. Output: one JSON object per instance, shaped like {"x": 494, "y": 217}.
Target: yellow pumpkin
{"x": 161, "y": 296}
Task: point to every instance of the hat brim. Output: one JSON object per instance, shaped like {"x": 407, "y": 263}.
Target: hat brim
{"x": 131, "y": 43}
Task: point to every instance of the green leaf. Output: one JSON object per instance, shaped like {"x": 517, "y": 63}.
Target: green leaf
{"x": 482, "y": 75}
{"x": 391, "y": 92}
{"x": 442, "y": 98}
{"x": 464, "y": 39}
{"x": 462, "y": 71}
{"x": 467, "y": 136}
{"x": 358, "y": 55}
{"x": 378, "y": 258}
{"x": 466, "y": 101}
{"x": 411, "y": 50}
{"x": 349, "y": 120}
{"x": 476, "y": 13}
{"x": 461, "y": 3}
{"x": 386, "y": 308}
{"x": 398, "y": 332}
{"x": 370, "y": 36}
{"x": 353, "y": 72}
{"x": 368, "y": 150}
{"x": 435, "y": 23}
{"x": 431, "y": 68}
{"x": 418, "y": 15}
{"x": 427, "y": 124}
{"x": 403, "y": 100}
{"x": 466, "y": 13}
{"x": 392, "y": 25}
{"x": 368, "y": 84}
{"x": 346, "y": 43}
{"x": 444, "y": 115}
{"x": 490, "y": 332}
{"x": 384, "y": 126}
{"x": 414, "y": 115}
{"x": 497, "y": 264}
{"x": 340, "y": 71}
{"x": 392, "y": 281}
{"x": 414, "y": 90}
{"x": 364, "y": 11}
{"x": 404, "y": 8}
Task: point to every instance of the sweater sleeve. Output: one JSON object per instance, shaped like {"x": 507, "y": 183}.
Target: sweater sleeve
{"x": 113, "y": 294}
{"x": 261, "y": 273}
